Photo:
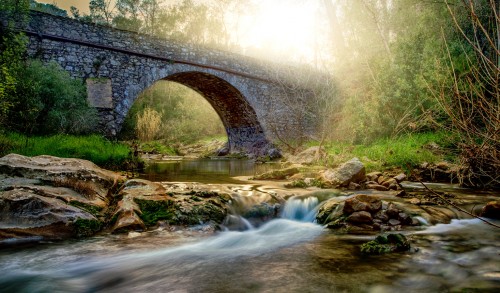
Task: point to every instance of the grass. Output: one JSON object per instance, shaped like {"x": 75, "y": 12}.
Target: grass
{"x": 403, "y": 152}
{"x": 95, "y": 148}
{"x": 158, "y": 147}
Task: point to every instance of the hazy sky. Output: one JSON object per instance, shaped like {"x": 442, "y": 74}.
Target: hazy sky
{"x": 287, "y": 26}
{"x": 83, "y": 5}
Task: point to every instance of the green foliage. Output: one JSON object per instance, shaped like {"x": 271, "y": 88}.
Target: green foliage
{"x": 185, "y": 115}
{"x": 49, "y": 101}
{"x": 153, "y": 211}
{"x": 48, "y": 8}
{"x": 158, "y": 147}
{"x": 405, "y": 151}
{"x": 94, "y": 148}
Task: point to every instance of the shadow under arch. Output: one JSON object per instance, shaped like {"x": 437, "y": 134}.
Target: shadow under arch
{"x": 244, "y": 131}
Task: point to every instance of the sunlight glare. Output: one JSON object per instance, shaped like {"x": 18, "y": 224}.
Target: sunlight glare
{"x": 282, "y": 27}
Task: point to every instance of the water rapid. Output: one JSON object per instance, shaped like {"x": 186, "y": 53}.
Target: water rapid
{"x": 165, "y": 269}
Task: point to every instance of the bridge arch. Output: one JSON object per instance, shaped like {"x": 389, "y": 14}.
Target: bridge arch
{"x": 244, "y": 131}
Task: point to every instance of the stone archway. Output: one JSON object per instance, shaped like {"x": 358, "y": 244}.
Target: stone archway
{"x": 244, "y": 131}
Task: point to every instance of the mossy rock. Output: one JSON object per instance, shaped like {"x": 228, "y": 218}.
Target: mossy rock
{"x": 86, "y": 227}
{"x": 153, "y": 211}
{"x": 386, "y": 244}
{"x": 92, "y": 209}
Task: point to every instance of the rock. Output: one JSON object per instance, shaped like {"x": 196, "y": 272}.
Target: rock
{"x": 274, "y": 153}
{"x": 404, "y": 218}
{"x": 415, "y": 201}
{"x": 400, "y": 177}
{"x": 394, "y": 222}
{"x": 386, "y": 244}
{"x": 377, "y": 187}
{"x": 351, "y": 171}
{"x": 126, "y": 217}
{"x": 372, "y": 176}
{"x": 392, "y": 211}
{"x": 331, "y": 210}
{"x": 360, "y": 217}
{"x": 362, "y": 202}
{"x": 307, "y": 157}
{"x": 491, "y": 210}
{"x": 382, "y": 216}
{"x": 223, "y": 151}
{"x": 391, "y": 181}
{"x": 24, "y": 214}
{"x": 277, "y": 174}
{"x": 353, "y": 186}
{"x": 381, "y": 179}
{"x": 65, "y": 172}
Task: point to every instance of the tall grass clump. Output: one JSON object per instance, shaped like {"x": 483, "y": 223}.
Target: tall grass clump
{"x": 148, "y": 124}
{"x": 95, "y": 148}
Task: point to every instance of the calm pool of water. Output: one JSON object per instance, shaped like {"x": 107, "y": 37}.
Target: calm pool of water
{"x": 204, "y": 170}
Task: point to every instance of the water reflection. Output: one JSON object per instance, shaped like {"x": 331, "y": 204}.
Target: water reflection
{"x": 204, "y": 170}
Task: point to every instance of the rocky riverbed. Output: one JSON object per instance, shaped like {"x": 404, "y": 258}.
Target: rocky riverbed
{"x": 48, "y": 198}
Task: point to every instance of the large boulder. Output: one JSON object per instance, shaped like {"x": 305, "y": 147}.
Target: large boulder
{"x": 25, "y": 215}
{"x": 81, "y": 175}
{"x": 351, "y": 171}
{"x": 362, "y": 202}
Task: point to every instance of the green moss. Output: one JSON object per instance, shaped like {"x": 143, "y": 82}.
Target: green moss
{"x": 297, "y": 184}
{"x": 385, "y": 244}
{"x": 94, "y": 210}
{"x": 153, "y": 211}
{"x": 85, "y": 227}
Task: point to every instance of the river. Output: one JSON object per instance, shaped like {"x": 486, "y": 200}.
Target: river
{"x": 291, "y": 254}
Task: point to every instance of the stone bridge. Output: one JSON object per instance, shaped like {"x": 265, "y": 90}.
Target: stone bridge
{"x": 257, "y": 102}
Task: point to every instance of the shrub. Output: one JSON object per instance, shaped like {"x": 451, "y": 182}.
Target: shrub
{"x": 148, "y": 124}
{"x": 49, "y": 101}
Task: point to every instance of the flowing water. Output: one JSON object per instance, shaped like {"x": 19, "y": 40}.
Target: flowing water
{"x": 290, "y": 254}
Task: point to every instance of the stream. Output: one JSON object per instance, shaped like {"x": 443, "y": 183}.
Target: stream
{"x": 289, "y": 254}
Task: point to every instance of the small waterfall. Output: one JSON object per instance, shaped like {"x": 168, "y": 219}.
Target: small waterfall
{"x": 301, "y": 209}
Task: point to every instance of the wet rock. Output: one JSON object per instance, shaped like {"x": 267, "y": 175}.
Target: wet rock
{"x": 277, "y": 174}
{"x": 381, "y": 179}
{"x": 351, "y": 171}
{"x": 360, "y": 217}
{"x": 393, "y": 211}
{"x": 386, "y": 244}
{"x": 377, "y": 187}
{"x": 362, "y": 202}
{"x": 491, "y": 210}
{"x": 394, "y": 222}
{"x": 400, "y": 177}
{"x": 331, "y": 210}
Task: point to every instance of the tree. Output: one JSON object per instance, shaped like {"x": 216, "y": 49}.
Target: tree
{"x": 102, "y": 11}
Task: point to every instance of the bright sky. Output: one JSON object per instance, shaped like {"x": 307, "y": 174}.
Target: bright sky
{"x": 286, "y": 27}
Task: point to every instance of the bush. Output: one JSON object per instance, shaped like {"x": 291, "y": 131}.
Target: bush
{"x": 49, "y": 101}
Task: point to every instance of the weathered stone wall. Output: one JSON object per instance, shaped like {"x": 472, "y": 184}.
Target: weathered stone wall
{"x": 248, "y": 94}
